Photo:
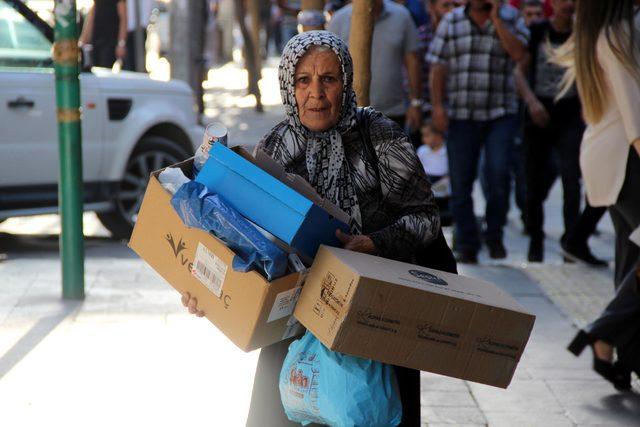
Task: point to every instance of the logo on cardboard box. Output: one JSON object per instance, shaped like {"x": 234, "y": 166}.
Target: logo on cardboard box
{"x": 328, "y": 293}
{"x": 428, "y": 277}
{"x": 177, "y": 250}
{"x": 366, "y": 317}
{"x": 437, "y": 334}
{"x": 489, "y": 345}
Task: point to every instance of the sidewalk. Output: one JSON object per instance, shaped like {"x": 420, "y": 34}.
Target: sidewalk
{"x": 130, "y": 354}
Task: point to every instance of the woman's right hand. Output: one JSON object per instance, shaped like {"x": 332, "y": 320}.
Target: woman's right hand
{"x": 192, "y": 304}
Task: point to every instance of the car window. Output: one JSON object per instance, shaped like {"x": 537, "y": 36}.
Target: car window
{"x": 21, "y": 43}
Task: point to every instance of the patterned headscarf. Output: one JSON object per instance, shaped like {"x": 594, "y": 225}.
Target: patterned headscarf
{"x": 325, "y": 158}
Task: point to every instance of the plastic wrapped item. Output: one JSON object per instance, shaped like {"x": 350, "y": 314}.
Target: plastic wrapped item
{"x": 172, "y": 179}
{"x": 197, "y": 207}
{"x": 325, "y": 387}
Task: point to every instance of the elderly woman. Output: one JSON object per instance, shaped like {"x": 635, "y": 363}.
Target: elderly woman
{"x": 365, "y": 164}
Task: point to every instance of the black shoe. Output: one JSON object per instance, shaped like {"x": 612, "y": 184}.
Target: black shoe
{"x": 496, "y": 249}
{"x": 612, "y": 372}
{"x": 582, "y": 253}
{"x": 467, "y": 256}
{"x": 536, "y": 250}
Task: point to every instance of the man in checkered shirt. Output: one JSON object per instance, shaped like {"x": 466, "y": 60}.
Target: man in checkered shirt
{"x": 472, "y": 58}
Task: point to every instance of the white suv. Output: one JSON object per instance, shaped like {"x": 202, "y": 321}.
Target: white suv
{"x": 131, "y": 125}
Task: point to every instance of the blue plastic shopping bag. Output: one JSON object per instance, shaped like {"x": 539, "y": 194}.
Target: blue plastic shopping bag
{"x": 197, "y": 207}
{"x": 318, "y": 385}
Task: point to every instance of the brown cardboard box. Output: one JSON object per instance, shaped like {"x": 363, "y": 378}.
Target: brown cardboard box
{"x": 412, "y": 316}
{"x": 250, "y": 311}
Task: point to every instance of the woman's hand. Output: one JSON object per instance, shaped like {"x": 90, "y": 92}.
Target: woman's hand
{"x": 192, "y": 304}
{"x": 356, "y": 243}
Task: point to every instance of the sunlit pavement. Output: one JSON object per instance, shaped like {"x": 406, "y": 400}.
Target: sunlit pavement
{"x": 129, "y": 354}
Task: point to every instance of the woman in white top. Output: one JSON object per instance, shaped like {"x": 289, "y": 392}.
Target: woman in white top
{"x": 603, "y": 59}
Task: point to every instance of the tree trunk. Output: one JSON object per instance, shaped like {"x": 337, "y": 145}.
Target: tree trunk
{"x": 360, "y": 38}
{"x": 188, "y": 26}
{"x": 254, "y": 15}
{"x": 252, "y": 62}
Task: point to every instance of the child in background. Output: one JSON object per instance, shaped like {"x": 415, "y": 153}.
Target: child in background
{"x": 433, "y": 156}
{"x": 433, "y": 153}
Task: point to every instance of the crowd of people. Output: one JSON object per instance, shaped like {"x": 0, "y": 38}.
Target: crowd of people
{"x": 479, "y": 74}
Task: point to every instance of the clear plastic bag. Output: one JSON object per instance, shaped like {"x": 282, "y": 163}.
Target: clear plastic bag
{"x": 199, "y": 208}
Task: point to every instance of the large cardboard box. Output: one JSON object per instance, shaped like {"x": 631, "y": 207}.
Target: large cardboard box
{"x": 412, "y": 316}
{"x": 283, "y": 204}
{"x": 250, "y": 311}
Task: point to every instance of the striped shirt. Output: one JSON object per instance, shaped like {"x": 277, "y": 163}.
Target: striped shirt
{"x": 480, "y": 82}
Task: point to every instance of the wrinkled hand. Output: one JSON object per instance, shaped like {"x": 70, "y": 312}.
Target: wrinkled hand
{"x": 538, "y": 113}
{"x": 414, "y": 118}
{"x": 192, "y": 304}
{"x": 356, "y": 243}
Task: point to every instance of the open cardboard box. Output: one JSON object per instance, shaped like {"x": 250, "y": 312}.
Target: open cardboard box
{"x": 248, "y": 309}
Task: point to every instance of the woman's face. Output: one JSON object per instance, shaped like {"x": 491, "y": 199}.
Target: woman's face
{"x": 318, "y": 87}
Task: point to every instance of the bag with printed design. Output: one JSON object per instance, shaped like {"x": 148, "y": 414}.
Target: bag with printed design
{"x": 320, "y": 386}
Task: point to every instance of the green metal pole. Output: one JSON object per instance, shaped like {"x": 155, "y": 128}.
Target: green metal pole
{"x": 67, "y": 67}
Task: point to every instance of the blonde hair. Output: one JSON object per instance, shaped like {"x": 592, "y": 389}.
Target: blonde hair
{"x": 615, "y": 20}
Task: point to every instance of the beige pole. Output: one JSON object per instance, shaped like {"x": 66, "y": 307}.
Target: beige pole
{"x": 360, "y": 38}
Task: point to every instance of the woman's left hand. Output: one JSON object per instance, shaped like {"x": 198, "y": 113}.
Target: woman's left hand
{"x": 356, "y": 243}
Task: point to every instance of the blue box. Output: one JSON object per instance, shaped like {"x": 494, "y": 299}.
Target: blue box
{"x": 283, "y": 204}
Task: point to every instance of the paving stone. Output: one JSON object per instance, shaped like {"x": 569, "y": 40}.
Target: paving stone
{"x": 527, "y": 419}
{"x": 434, "y": 382}
{"x": 452, "y": 415}
{"x": 529, "y": 396}
{"x": 615, "y": 410}
{"x": 572, "y": 393}
{"x": 447, "y": 398}
{"x": 579, "y": 291}
{"x": 449, "y": 425}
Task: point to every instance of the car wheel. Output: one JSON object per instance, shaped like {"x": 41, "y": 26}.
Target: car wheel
{"x": 151, "y": 154}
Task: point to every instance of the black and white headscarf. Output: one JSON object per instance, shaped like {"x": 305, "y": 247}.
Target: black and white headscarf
{"x": 325, "y": 157}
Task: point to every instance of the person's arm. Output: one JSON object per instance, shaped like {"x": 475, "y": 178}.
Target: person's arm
{"x": 412, "y": 63}
{"x": 121, "y": 48}
{"x": 437, "y": 86}
{"x": 511, "y": 43}
{"x": 414, "y": 72}
{"x": 406, "y": 193}
{"x": 87, "y": 29}
{"x": 438, "y": 56}
{"x": 625, "y": 92}
{"x": 538, "y": 113}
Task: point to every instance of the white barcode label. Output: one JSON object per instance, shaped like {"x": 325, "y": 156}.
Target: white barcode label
{"x": 209, "y": 269}
{"x": 284, "y": 304}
